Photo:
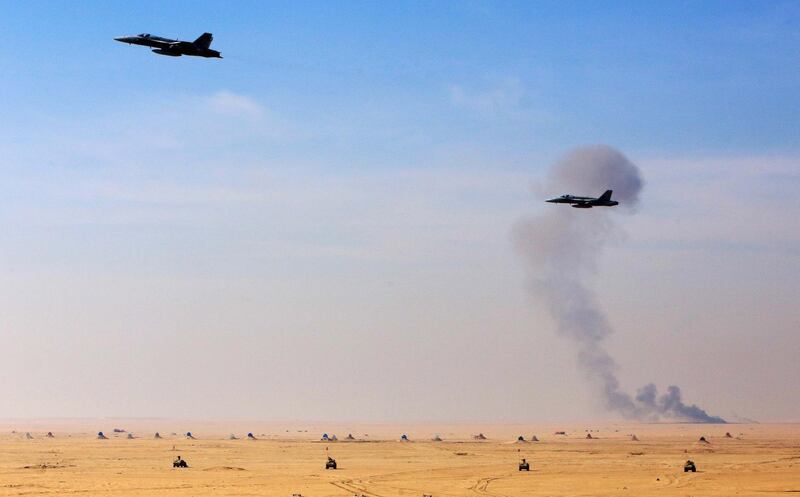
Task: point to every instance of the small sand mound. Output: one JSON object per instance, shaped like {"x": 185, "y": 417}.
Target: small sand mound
{"x": 224, "y": 468}
{"x": 589, "y": 436}
{"x": 44, "y": 466}
{"x": 28, "y": 436}
{"x": 233, "y": 437}
{"x": 130, "y": 436}
{"x": 634, "y": 438}
{"x": 561, "y": 433}
{"x": 437, "y": 438}
{"x": 479, "y": 436}
{"x": 534, "y": 438}
{"x": 728, "y": 434}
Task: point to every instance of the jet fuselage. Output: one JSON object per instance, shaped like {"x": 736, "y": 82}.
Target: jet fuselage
{"x": 174, "y": 48}
{"x": 603, "y": 200}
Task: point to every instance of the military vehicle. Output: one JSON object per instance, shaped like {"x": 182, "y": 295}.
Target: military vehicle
{"x": 179, "y": 463}
{"x": 524, "y": 465}
{"x": 689, "y": 466}
{"x": 331, "y": 464}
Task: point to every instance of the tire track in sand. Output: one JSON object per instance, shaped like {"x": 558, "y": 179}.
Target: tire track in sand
{"x": 481, "y": 487}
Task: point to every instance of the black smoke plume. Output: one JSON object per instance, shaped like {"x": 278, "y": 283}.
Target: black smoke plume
{"x": 562, "y": 247}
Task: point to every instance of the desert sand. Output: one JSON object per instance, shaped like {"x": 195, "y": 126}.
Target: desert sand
{"x": 287, "y": 459}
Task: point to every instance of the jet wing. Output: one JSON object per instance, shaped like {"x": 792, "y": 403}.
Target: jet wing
{"x": 186, "y": 45}
{"x": 148, "y": 41}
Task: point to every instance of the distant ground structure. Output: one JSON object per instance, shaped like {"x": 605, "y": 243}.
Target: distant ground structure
{"x": 437, "y": 438}
{"x": 118, "y": 430}
{"x": 50, "y": 435}
{"x": 130, "y": 436}
{"x": 479, "y": 436}
{"x": 350, "y": 437}
{"x": 232, "y": 437}
{"x": 189, "y": 435}
{"x": 157, "y": 435}
{"x": 251, "y": 436}
{"x": 101, "y": 436}
{"x": 520, "y": 438}
{"x": 404, "y": 438}
{"x": 534, "y": 438}
{"x": 634, "y": 438}
{"x": 28, "y": 435}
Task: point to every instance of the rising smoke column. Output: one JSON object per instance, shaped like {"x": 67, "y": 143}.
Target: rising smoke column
{"x": 562, "y": 247}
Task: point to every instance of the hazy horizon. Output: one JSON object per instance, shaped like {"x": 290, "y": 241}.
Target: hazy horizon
{"x": 319, "y": 225}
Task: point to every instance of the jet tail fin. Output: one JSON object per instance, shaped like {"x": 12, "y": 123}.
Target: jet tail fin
{"x": 204, "y": 40}
{"x": 605, "y": 197}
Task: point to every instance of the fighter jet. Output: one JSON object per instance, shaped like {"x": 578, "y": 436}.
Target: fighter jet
{"x": 603, "y": 200}
{"x": 174, "y": 48}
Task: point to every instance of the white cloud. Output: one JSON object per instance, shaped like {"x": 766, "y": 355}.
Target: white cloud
{"x": 232, "y": 104}
{"x": 503, "y": 97}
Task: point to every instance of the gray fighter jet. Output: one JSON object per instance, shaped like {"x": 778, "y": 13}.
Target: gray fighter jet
{"x": 174, "y": 48}
{"x": 603, "y": 200}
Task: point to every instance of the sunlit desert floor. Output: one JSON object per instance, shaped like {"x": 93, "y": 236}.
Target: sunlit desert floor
{"x": 759, "y": 459}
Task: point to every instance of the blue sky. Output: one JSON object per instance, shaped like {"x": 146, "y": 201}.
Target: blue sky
{"x": 694, "y": 76}
{"x": 342, "y": 185}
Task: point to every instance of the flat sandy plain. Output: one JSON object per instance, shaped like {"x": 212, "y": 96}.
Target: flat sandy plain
{"x": 761, "y": 459}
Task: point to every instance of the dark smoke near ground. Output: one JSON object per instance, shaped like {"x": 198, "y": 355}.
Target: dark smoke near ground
{"x": 562, "y": 247}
